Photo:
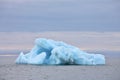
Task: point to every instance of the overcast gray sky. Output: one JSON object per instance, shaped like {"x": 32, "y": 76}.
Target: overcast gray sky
{"x": 96, "y": 41}
{"x": 59, "y": 15}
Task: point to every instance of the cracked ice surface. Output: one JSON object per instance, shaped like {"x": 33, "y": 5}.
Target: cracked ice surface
{"x": 47, "y": 51}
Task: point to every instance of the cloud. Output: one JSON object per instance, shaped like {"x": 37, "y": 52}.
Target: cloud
{"x": 24, "y": 1}
{"x": 14, "y": 3}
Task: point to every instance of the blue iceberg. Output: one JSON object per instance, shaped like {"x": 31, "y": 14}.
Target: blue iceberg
{"x": 47, "y": 51}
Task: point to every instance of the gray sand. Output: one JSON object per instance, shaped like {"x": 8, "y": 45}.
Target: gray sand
{"x": 11, "y": 71}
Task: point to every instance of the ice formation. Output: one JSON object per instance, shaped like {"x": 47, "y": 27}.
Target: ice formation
{"x": 47, "y": 51}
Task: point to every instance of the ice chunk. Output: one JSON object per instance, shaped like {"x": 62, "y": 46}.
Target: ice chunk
{"x": 47, "y": 51}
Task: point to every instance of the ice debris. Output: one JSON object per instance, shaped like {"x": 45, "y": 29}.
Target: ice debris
{"x": 47, "y": 51}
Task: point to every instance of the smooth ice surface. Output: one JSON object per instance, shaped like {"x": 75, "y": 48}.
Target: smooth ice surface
{"x": 47, "y": 51}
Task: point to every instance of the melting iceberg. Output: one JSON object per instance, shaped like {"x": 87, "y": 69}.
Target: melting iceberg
{"x": 47, "y": 51}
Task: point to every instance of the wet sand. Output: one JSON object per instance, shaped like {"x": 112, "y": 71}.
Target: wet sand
{"x": 11, "y": 71}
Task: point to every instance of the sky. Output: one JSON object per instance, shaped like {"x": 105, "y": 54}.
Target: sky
{"x": 59, "y": 15}
{"x": 87, "y": 24}
{"x": 92, "y": 41}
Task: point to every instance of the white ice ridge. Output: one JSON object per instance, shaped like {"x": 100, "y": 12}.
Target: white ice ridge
{"x": 47, "y": 51}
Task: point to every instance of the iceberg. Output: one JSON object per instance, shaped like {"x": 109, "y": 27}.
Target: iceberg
{"x": 50, "y": 52}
